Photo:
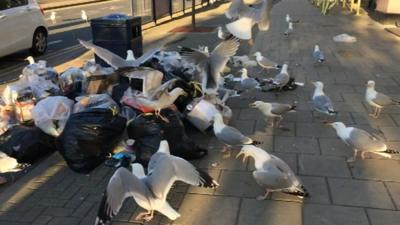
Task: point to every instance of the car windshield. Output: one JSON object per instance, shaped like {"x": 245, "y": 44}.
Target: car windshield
{"x": 7, "y": 4}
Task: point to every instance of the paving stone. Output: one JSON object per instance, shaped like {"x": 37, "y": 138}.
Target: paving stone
{"x": 57, "y": 211}
{"x": 349, "y": 192}
{"x": 210, "y": 210}
{"x": 344, "y": 117}
{"x": 64, "y": 221}
{"x": 391, "y": 133}
{"x": 215, "y": 160}
{"x": 325, "y": 214}
{"x": 254, "y": 212}
{"x": 42, "y": 220}
{"x": 374, "y": 169}
{"x": 239, "y": 184}
{"x": 250, "y": 114}
{"x": 262, "y": 129}
{"x": 298, "y": 116}
{"x": 323, "y": 166}
{"x": 296, "y": 145}
{"x": 334, "y": 147}
{"x": 383, "y": 120}
{"x": 314, "y": 130}
{"x": 383, "y": 217}
{"x": 394, "y": 190}
{"x": 244, "y": 126}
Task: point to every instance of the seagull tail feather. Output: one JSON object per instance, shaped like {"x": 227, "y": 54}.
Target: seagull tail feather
{"x": 332, "y": 112}
{"x": 392, "y": 151}
{"x": 300, "y": 191}
{"x": 206, "y": 180}
{"x": 256, "y": 143}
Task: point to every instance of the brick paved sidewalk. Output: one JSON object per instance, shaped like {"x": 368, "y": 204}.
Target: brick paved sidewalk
{"x": 363, "y": 193}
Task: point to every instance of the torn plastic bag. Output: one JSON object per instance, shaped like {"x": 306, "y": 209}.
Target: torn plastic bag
{"x": 100, "y": 101}
{"x": 41, "y": 87}
{"x": 51, "y": 114}
{"x": 148, "y": 130}
{"x": 40, "y": 69}
{"x": 89, "y": 137}
{"x": 26, "y": 144}
{"x": 73, "y": 82}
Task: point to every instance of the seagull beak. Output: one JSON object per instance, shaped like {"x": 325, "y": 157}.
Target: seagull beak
{"x": 327, "y": 123}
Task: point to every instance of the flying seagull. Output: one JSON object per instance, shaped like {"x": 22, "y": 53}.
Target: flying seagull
{"x": 265, "y": 63}
{"x": 114, "y": 60}
{"x": 246, "y": 17}
{"x": 322, "y": 103}
{"x": 150, "y": 191}
{"x": 360, "y": 140}
{"x": 228, "y": 135}
{"x": 272, "y": 173}
{"x": 273, "y": 110}
{"x": 318, "y": 55}
{"x": 377, "y": 100}
{"x": 210, "y": 66}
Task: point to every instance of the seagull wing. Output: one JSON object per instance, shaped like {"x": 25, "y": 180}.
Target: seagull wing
{"x": 123, "y": 184}
{"x": 232, "y": 136}
{"x": 281, "y": 79}
{"x": 163, "y": 89}
{"x": 112, "y": 59}
{"x": 267, "y": 63}
{"x": 279, "y": 109}
{"x": 165, "y": 169}
{"x": 193, "y": 55}
{"x": 362, "y": 140}
{"x": 241, "y": 28}
{"x": 146, "y": 56}
{"x": 235, "y": 8}
{"x": 323, "y": 103}
{"x": 265, "y": 15}
{"x": 272, "y": 179}
{"x": 382, "y": 99}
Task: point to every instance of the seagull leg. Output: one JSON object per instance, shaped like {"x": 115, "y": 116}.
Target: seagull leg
{"x": 149, "y": 216}
{"x": 378, "y": 113}
{"x": 158, "y": 113}
{"x": 374, "y": 113}
{"x": 263, "y": 197}
{"x": 144, "y": 215}
{"x": 352, "y": 159}
{"x": 226, "y": 152}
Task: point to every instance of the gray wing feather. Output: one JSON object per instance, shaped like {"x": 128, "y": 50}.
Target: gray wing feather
{"x": 114, "y": 60}
{"x": 363, "y": 141}
{"x": 323, "y": 103}
{"x": 165, "y": 169}
{"x": 267, "y": 63}
{"x": 249, "y": 83}
{"x": 163, "y": 89}
{"x": 272, "y": 179}
{"x": 146, "y": 56}
{"x": 382, "y": 99}
{"x": 281, "y": 79}
{"x": 279, "y": 109}
{"x": 232, "y": 136}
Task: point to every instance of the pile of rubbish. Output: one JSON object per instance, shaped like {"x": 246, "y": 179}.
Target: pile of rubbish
{"x": 88, "y": 114}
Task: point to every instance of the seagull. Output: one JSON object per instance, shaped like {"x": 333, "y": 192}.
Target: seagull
{"x": 53, "y": 17}
{"x": 318, "y": 55}
{"x": 360, "y": 140}
{"x": 246, "y": 17}
{"x": 247, "y": 82}
{"x": 265, "y": 63}
{"x": 150, "y": 191}
{"x": 243, "y": 61}
{"x": 84, "y": 16}
{"x": 290, "y": 20}
{"x": 210, "y": 66}
{"x": 272, "y": 173}
{"x": 30, "y": 59}
{"x": 273, "y": 110}
{"x": 221, "y": 34}
{"x": 289, "y": 29}
{"x": 377, "y": 100}
{"x": 160, "y": 98}
{"x": 282, "y": 79}
{"x": 114, "y": 60}
{"x": 228, "y": 135}
{"x": 203, "y": 49}
{"x": 130, "y": 56}
{"x": 322, "y": 103}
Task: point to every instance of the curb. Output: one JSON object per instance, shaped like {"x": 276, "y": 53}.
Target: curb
{"x": 50, "y": 6}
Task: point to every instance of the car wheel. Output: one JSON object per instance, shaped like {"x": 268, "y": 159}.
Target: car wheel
{"x": 39, "y": 42}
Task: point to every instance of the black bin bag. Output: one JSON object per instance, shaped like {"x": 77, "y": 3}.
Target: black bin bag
{"x": 148, "y": 130}
{"x": 88, "y": 137}
{"x": 26, "y": 144}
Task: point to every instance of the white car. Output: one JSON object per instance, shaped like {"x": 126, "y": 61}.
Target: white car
{"x": 22, "y": 26}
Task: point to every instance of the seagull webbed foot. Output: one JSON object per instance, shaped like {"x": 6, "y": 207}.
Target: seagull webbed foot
{"x": 263, "y": 197}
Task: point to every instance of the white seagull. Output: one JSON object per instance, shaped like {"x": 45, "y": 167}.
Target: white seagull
{"x": 130, "y": 56}
{"x": 150, "y": 191}
{"x": 289, "y": 30}
{"x": 53, "y": 17}
{"x": 265, "y": 63}
{"x": 360, "y": 140}
{"x": 248, "y": 83}
{"x": 114, "y": 60}
{"x": 318, "y": 55}
{"x": 221, "y": 34}
{"x": 322, "y": 103}
{"x": 377, "y": 100}
{"x": 243, "y": 61}
{"x": 210, "y": 66}
{"x": 84, "y": 16}
{"x": 282, "y": 79}
{"x": 273, "y": 110}
{"x": 272, "y": 173}
{"x": 246, "y": 17}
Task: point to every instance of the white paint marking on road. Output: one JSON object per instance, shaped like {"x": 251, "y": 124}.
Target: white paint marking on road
{"x": 54, "y": 42}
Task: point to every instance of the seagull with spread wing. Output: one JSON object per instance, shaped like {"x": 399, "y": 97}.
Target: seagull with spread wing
{"x": 210, "y": 66}
{"x": 272, "y": 173}
{"x": 150, "y": 191}
{"x": 116, "y": 61}
{"x": 246, "y": 17}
